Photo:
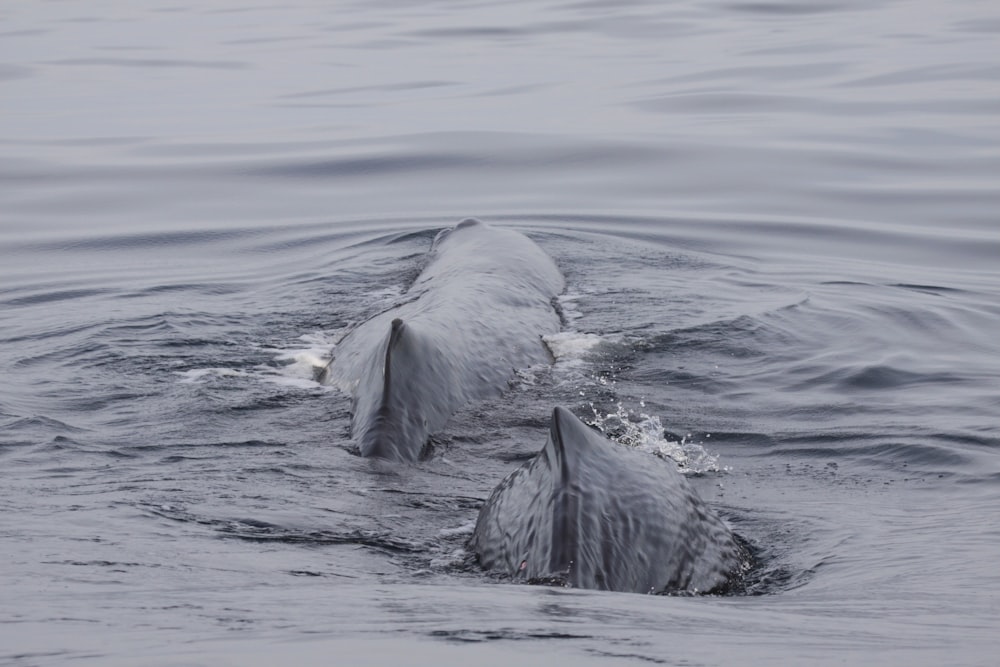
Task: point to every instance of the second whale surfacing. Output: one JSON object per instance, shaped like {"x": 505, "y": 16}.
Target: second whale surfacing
{"x": 589, "y": 513}
{"x": 475, "y": 314}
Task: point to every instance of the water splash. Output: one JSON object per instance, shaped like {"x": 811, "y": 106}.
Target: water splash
{"x": 301, "y": 365}
{"x": 570, "y": 346}
{"x": 646, "y": 432}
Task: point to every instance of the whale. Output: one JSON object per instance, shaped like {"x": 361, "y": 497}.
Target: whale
{"x": 589, "y": 513}
{"x": 473, "y": 317}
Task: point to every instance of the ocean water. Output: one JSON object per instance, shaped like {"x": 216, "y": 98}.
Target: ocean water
{"x": 778, "y": 222}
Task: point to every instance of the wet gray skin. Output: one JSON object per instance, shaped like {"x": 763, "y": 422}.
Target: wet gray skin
{"x": 593, "y": 514}
{"x": 474, "y": 315}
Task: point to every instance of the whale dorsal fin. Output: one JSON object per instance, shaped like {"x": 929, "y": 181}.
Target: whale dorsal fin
{"x": 572, "y": 451}
{"x": 569, "y": 441}
{"x": 395, "y": 336}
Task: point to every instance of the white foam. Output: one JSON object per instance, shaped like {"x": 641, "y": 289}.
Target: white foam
{"x": 303, "y": 364}
{"x": 300, "y": 364}
{"x": 464, "y": 529}
{"x": 571, "y": 345}
{"x": 297, "y": 367}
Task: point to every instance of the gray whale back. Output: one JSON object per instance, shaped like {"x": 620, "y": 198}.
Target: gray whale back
{"x": 475, "y": 314}
{"x": 602, "y": 516}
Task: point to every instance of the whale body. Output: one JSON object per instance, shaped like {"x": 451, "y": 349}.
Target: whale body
{"x": 589, "y": 513}
{"x": 475, "y": 314}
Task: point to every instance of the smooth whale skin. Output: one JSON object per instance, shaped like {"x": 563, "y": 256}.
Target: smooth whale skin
{"x": 593, "y": 514}
{"x": 475, "y": 314}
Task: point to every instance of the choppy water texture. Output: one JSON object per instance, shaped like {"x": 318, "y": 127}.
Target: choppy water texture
{"x": 778, "y": 224}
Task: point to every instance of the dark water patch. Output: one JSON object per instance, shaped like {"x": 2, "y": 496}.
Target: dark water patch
{"x": 846, "y": 283}
{"x": 720, "y": 102}
{"x": 471, "y": 32}
{"x": 383, "y": 88}
{"x": 930, "y": 289}
{"x": 923, "y": 75}
{"x": 252, "y": 41}
{"x": 51, "y": 297}
{"x": 507, "y": 91}
{"x": 251, "y": 444}
{"x": 207, "y": 289}
{"x": 311, "y": 573}
{"x": 255, "y": 9}
{"x": 165, "y": 240}
{"x": 367, "y": 166}
{"x": 184, "y": 458}
{"x": 42, "y": 656}
{"x": 102, "y": 563}
{"x": 152, "y": 63}
{"x": 500, "y": 634}
{"x": 446, "y": 503}
{"x": 786, "y": 72}
{"x": 793, "y": 9}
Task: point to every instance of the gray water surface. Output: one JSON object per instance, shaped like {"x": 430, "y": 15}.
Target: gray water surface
{"x": 778, "y": 224}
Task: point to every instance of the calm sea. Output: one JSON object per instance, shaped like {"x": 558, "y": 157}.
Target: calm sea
{"x": 780, "y": 226}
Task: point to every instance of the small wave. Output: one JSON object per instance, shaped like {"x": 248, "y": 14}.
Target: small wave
{"x": 38, "y": 424}
{"x": 874, "y": 377}
{"x": 567, "y": 305}
{"x": 256, "y": 530}
{"x": 203, "y": 375}
{"x": 51, "y": 297}
{"x": 882, "y": 376}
